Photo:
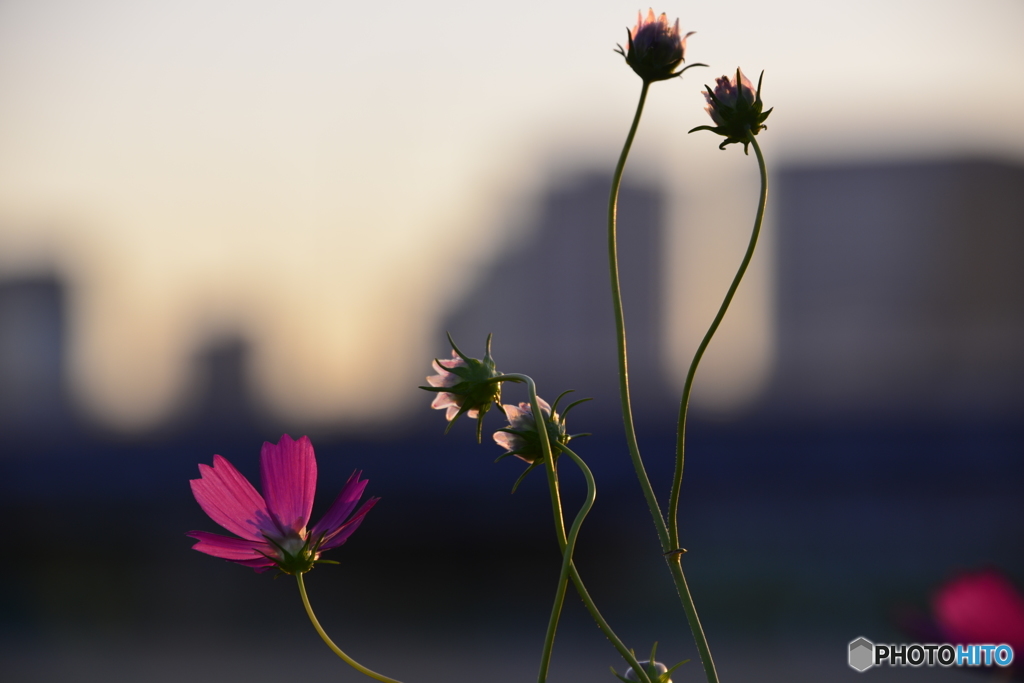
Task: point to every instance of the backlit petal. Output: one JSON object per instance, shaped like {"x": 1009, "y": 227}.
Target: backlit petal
{"x": 342, "y": 534}
{"x": 342, "y": 506}
{"x": 288, "y": 473}
{"x": 231, "y": 500}
{"x": 235, "y": 549}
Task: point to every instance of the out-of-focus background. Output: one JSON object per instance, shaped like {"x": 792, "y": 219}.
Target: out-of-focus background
{"x": 220, "y": 222}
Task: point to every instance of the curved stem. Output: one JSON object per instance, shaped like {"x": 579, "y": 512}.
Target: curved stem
{"x": 674, "y": 560}
{"x": 620, "y": 329}
{"x": 330, "y": 643}
{"x": 545, "y": 445}
{"x": 564, "y": 543}
{"x": 567, "y": 551}
{"x": 677, "y": 477}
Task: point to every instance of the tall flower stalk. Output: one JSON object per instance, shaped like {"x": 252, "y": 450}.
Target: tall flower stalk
{"x": 736, "y": 109}
{"x": 684, "y": 403}
{"x": 671, "y": 550}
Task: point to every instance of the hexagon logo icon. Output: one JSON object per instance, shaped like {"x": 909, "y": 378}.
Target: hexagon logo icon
{"x": 862, "y": 654}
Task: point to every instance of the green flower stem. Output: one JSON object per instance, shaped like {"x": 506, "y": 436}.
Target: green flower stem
{"x": 545, "y": 444}
{"x": 568, "y": 544}
{"x": 684, "y": 404}
{"x": 563, "y": 576}
{"x": 674, "y": 560}
{"x": 330, "y": 643}
{"x": 620, "y": 329}
{"x": 675, "y": 566}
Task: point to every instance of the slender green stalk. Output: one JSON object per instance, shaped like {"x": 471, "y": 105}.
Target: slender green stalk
{"x": 567, "y": 551}
{"x": 667, "y": 545}
{"x": 675, "y": 566}
{"x": 675, "y": 559}
{"x": 330, "y": 643}
{"x": 677, "y": 477}
{"x": 620, "y": 329}
{"x": 564, "y": 544}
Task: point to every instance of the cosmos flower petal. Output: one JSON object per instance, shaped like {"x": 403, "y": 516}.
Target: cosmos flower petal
{"x": 512, "y": 413}
{"x": 443, "y": 399}
{"x": 345, "y": 530}
{"x": 228, "y": 548}
{"x": 261, "y": 565}
{"x": 288, "y": 473}
{"x": 439, "y": 380}
{"x": 230, "y": 500}
{"x": 342, "y": 506}
{"x": 455, "y": 361}
{"x": 510, "y": 442}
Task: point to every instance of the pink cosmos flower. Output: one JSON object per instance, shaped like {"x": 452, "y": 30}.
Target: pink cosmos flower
{"x": 444, "y": 400}
{"x": 979, "y": 608}
{"x": 272, "y": 527}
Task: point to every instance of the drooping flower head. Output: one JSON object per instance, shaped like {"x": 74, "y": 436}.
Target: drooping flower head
{"x": 521, "y": 438}
{"x": 655, "y": 49}
{"x": 272, "y": 527}
{"x": 736, "y": 108}
{"x": 465, "y": 385}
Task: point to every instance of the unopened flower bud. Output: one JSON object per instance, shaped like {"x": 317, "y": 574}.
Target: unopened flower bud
{"x": 655, "y": 48}
{"x": 735, "y": 107}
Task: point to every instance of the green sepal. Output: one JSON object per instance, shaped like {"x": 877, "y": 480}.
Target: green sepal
{"x": 522, "y": 476}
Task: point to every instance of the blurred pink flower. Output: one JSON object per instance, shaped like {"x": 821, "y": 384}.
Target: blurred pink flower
{"x": 979, "y": 608}
{"x": 272, "y": 527}
{"x": 444, "y": 400}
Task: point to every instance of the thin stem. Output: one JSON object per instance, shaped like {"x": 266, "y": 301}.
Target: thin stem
{"x": 567, "y": 551}
{"x": 567, "y": 545}
{"x": 330, "y": 643}
{"x": 620, "y": 329}
{"x": 675, "y": 559}
{"x": 675, "y": 566}
{"x": 545, "y": 445}
{"x": 677, "y": 477}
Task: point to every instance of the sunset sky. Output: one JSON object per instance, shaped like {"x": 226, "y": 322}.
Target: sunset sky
{"x": 322, "y": 178}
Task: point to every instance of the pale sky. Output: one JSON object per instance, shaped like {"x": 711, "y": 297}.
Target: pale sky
{"x": 292, "y": 170}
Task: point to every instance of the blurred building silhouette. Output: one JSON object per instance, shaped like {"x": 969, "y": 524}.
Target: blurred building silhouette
{"x": 33, "y": 334}
{"x": 901, "y": 290}
{"x": 222, "y": 401}
{"x": 34, "y": 399}
{"x": 548, "y": 302}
